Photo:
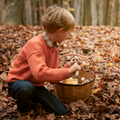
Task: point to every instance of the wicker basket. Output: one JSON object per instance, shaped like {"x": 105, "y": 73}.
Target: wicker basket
{"x": 68, "y": 93}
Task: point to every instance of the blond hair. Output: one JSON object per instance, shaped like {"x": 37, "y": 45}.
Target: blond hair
{"x": 56, "y": 17}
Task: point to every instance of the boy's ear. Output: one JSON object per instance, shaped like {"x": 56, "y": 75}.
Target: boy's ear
{"x": 60, "y": 31}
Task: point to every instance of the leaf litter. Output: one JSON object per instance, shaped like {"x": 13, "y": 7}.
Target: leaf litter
{"x": 100, "y": 44}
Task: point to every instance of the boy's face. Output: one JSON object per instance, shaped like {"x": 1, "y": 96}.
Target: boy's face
{"x": 62, "y": 35}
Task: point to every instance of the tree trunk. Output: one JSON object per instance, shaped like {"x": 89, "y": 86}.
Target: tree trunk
{"x": 13, "y": 12}
{"x": 118, "y": 13}
{"x": 112, "y": 21}
{"x": 1, "y": 8}
{"x": 109, "y": 13}
{"x": 82, "y": 13}
{"x": 77, "y": 11}
{"x": 71, "y": 3}
{"x": 105, "y": 13}
{"x": 38, "y": 14}
{"x": 94, "y": 12}
{"x": 28, "y": 13}
{"x": 87, "y": 12}
{"x": 100, "y": 12}
{"x": 49, "y": 3}
{"x": 55, "y": 1}
{"x": 65, "y": 4}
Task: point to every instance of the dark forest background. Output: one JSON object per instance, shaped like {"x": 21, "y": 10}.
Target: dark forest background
{"x": 86, "y": 12}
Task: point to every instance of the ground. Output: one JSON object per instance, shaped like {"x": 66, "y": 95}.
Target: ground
{"x": 99, "y": 44}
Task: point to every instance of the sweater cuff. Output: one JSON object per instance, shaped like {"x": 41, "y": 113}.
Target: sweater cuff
{"x": 66, "y": 73}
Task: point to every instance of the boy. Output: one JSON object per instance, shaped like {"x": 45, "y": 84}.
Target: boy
{"x": 37, "y": 63}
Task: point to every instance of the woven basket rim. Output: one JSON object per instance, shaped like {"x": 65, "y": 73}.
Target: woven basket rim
{"x": 76, "y": 84}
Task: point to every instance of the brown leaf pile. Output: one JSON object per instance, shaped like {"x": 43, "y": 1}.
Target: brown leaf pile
{"x": 100, "y": 44}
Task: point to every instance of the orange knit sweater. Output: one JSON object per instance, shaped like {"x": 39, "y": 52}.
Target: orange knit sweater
{"x": 37, "y": 63}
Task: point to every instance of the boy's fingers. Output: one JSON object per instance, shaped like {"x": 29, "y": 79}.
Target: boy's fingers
{"x": 76, "y": 57}
{"x": 79, "y": 67}
{"x": 71, "y": 63}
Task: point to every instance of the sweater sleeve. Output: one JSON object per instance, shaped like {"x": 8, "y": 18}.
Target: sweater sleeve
{"x": 66, "y": 66}
{"x": 42, "y": 73}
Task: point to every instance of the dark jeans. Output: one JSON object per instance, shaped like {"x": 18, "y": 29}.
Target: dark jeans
{"x": 25, "y": 92}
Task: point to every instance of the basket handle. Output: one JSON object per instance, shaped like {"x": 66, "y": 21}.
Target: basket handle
{"x": 75, "y": 54}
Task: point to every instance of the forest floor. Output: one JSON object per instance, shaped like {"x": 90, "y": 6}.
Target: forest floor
{"x": 99, "y": 44}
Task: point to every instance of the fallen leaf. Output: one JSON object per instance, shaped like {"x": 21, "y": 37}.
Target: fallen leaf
{"x": 51, "y": 116}
{"x": 3, "y": 76}
{"x": 1, "y": 85}
{"x": 96, "y": 90}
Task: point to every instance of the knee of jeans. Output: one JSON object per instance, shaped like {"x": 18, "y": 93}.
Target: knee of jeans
{"x": 27, "y": 88}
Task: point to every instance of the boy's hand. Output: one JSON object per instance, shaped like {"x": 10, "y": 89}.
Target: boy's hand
{"x": 72, "y": 61}
{"x": 74, "y": 68}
